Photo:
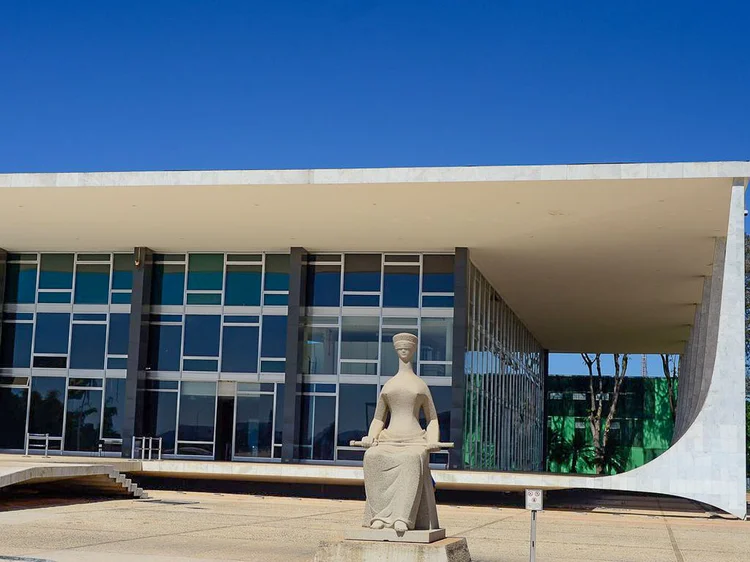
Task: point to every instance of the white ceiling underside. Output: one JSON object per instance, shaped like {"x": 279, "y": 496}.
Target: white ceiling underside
{"x": 613, "y": 262}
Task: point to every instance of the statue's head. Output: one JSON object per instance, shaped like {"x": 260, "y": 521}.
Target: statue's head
{"x": 406, "y": 346}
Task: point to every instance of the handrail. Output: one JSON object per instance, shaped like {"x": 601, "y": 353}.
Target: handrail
{"x": 150, "y": 448}
{"x": 39, "y": 437}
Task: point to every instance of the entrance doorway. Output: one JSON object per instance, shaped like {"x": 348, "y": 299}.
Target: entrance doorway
{"x": 224, "y": 428}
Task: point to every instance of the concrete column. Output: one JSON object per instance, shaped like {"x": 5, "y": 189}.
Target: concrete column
{"x": 140, "y": 304}
{"x": 460, "y": 325}
{"x": 290, "y": 444}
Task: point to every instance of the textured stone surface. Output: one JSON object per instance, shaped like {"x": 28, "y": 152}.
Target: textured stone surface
{"x": 421, "y": 536}
{"x": 446, "y": 550}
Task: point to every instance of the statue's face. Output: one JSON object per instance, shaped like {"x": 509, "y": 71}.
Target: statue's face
{"x": 405, "y": 352}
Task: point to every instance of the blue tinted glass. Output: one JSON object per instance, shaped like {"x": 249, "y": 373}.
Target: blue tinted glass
{"x": 117, "y": 363}
{"x": 15, "y": 350}
{"x": 87, "y": 346}
{"x": 204, "y": 298}
{"x": 253, "y": 427}
{"x": 274, "y": 336}
{"x": 361, "y": 300}
{"x": 202, "y": 335}
{"x": 52, "y": 333}
{"x": 437, "y": 274}
{"x": 197, "y": 411}
{"x": 428, "y": 370}
{"x": 56, "y": 297}
{"x": 122, "y": 271}
{"x": 277, "y": 272}
{"x": 356, "y": 410}
{"x": 278, "y": 433}
{"x": 318, "y": 419}
{"x": 243, "y": 285}
{"x": 119, "y": 326}
{"x": 439, "y": 301}
{"x": 90, "y": 317}
{"x": 272, "y": 366}
{"x": 210, "y": 365}
{"x": 241, "y": 319}
{"x": 239, "y": 349}
{"x": 323, "y": 285}
{"x": 13, "y": 417}
{"x": 20, "y": 283}
{"x": 362, "y": 272}
{"x": 56, "y": 271}
{"x": 114, "y": 408}
{"x": 442, "y": 397}
{"x": 434, "y": 339}
{"x": 401, "y": 287}
{"x": 164, "y": 347}
{"x": 320, "y": 350}
{"x": 166, "y": 318}
{"x": 168, "y": 284}
{"x": 121, "y": 298}
{"x": 205, "y": 272}
{"x": 47, "y": 396}
{"x": 92, "y": 284}
{"x": 18, "y": 316}
{"x": 276, "y": 300}
{"x": 82, "y": 420}
{"x": 160, "y": 417}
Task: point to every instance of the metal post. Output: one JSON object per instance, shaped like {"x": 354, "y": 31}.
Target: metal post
{"x": 132, "y": 448}
{"x": 160, "y": 438}
{"x": 532, "y": 554}
{"x": 26, "y": 454}
{"x": 46, "y": 444}
{"x": 143, "y": 448}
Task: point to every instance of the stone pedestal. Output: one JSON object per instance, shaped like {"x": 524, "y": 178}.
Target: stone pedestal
{"x": 420, "y": 536}
{"x": 445, "y": 550}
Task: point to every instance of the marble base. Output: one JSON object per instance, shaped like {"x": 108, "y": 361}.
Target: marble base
{"x": 419, "y": 536}
{"x": 445, "y": 550}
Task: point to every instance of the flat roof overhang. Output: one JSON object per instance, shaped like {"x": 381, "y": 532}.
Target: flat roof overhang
{"x": 602, "y": 257}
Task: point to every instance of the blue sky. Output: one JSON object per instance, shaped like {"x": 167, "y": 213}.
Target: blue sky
{"x": 116, "y": 85}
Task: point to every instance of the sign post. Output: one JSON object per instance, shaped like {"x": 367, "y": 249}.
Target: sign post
{"x": 533, "y": 504}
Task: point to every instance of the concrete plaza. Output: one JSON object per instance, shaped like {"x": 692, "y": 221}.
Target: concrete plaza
{"x": 183, "y": 526}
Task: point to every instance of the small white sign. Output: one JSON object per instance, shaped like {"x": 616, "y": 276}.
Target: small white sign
{"x": 534, "y": 500}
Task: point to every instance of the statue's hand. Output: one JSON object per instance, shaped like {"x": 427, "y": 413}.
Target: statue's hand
{"x": 368, "y": 441}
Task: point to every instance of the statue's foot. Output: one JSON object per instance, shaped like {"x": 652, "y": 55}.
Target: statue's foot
{"x": 400, "y": 527}
{"x": 377, "y": 524}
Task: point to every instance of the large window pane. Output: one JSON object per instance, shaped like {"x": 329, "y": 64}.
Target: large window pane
{"x": 20, "y": 283}
{"x": 168, "y": 284}
{"x": 437, "y": 274}
{"x": 119, "y": 326}
{"x": 323, "y": 285}
{"x": 436, "y": 341}
{"x": 47, "y": 396}
{"x": 356, "y": 410}
{"x": 401, "y": 286}
{"x": 362, "y": 272}
{"x": 13, "y": 417}
{"x": 389, "y": 362}
{"x": 320, "y": 350}
{"x": 273, "y": 341}
{"x": 92, "y": 284}
{"x": 243, "y": 285}
{"x": 114, "y": 408}
{"x": 359, "y": 337}
{"x": 83, "y": 420}
{"x": 239, "y": 349}
{"x": 277, "y": 272}
{"x": 122, "y": 271}
{"x": 16, "y": 345}
{"x": 52, "y": 333}
{"x": 87, "y": 346}
{"x": 56, "y": 271}
{"x": 441, "y": 396}
{"x": 318, "y": 413}
{"x": 160, "y": 416}
{"x": 254, "y": 426}
{"x": 197, "y": 411}
{"x": 202, "y": 335}
{"x": 205, "y": 272}
{"x": 279, "y": 429}
{"x": 164, "y": 347}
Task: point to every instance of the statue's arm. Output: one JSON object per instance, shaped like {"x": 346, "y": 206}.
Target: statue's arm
{"x": 430, "y": 414}
{"x": 378, "y": 420}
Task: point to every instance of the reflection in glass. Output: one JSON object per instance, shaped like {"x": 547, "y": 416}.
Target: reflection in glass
{"x": 317, "y": 434}
{"x": 279, "y": 422}
{"x": 168, "y": 284}
{"x": 436, "y": 340}
{"x": 164, "y": 347}
{"x": 239, "y": 349}
{"x": 202, "y": 335}
{"x": 13, "y": 417}
{"x": 82, "y": 420}
{"x": 254, "y": 425}
{"x": 197, "y": 411}
{"x": 320, "y": 350}
{"x": 119, "y": 326}
{"x": 20, "y": 283}
{"x": 359, "y": 337}
{"x": 362, "y": 272}
{"x": 92, "y": 283}
{"x": 47, "y": 395}
{"x": 15, "y": 350}
{"x": 401, "y": 286}
{"x": 437, "y": 273}
{"x": 356, "y": 410}
{"x": 277, "y": 272}
{"x": 205, "y": 272}
{"x": 87, "y": 346}
{"x": 323, "y": 285}
{"x": 243, "y": 285}
{"x": 114, "y": 408}
{"x": 122, "y": 271}
{"x": 273, "y": 340}
{"x": 160, "y": 415}
{"x": 52, "y": 333}
{"x": 56, "y": 271}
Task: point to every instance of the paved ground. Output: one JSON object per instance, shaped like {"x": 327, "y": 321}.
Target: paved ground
{"x": 181, "y": 526}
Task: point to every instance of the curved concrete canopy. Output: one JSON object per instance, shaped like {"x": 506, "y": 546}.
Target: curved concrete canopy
{"x": 606, "y": 257}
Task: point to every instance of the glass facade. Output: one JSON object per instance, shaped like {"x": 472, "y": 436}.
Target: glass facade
{"x": 63, "y": 349}
{"x": 504, "y": 366}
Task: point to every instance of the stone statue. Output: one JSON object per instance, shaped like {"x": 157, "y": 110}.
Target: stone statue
{"x": 398, "y": 483}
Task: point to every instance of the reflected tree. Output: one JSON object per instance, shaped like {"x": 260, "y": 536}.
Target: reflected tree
{"x": 671, "y": 367}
